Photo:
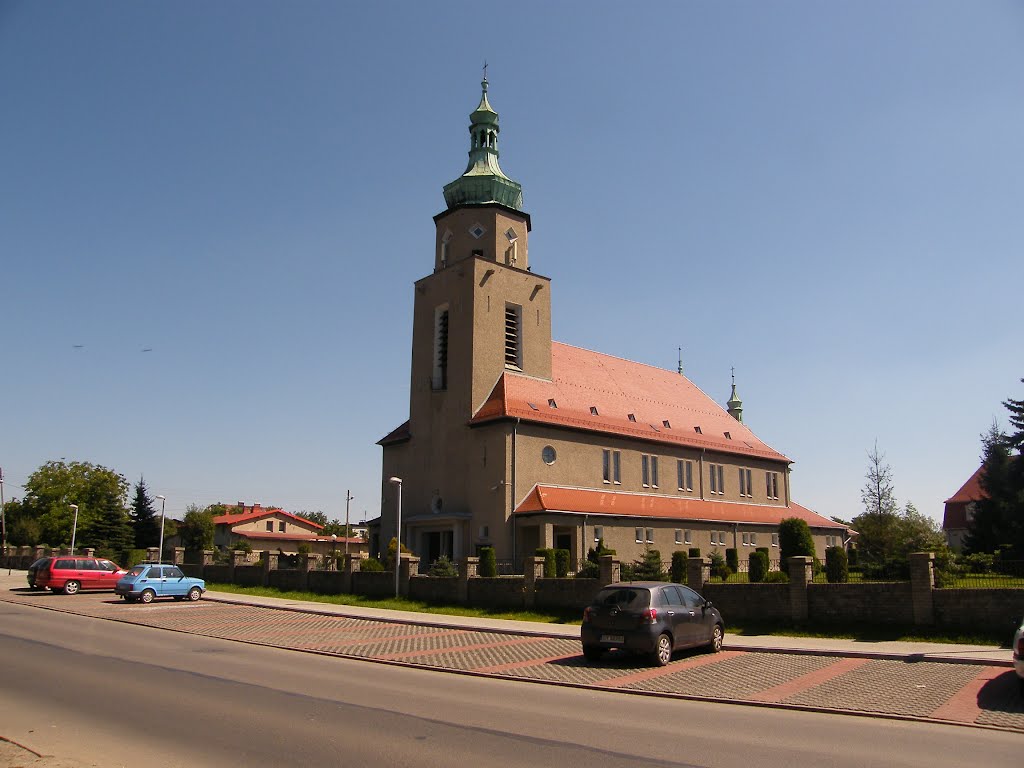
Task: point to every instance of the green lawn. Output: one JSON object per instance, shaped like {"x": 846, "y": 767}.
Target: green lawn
{"x": 862, "y": 633}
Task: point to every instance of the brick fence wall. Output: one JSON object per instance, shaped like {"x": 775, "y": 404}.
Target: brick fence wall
{"x": 916, "y": 602}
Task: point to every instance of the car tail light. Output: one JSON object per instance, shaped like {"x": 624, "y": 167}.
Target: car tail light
{"x": 649, "y": 616}
{"x": 586, "y": 614}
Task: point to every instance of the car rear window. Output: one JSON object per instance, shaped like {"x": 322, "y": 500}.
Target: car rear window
{"x": 67, "y": 565}
{"x": 624, "y": 597}
{"x": 138, "y": 570}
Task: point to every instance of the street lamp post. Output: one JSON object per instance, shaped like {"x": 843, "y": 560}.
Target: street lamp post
{"x": 397, "y": 482}
{"x": 334, "y": 548}
{"x": 3, "y": 522}
{"x": 160, "y": 552}
{"x": 348, "y": 499}
{"x": 74, "y": 527}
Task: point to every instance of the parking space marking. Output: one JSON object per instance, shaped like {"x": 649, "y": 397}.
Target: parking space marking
{"x": 670, "y": 669}
{"x": 500, "y": 669}
{"x": 810, "y": 680}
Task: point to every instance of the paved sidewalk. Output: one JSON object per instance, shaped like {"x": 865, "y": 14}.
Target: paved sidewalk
{"x": 899, "y": 651}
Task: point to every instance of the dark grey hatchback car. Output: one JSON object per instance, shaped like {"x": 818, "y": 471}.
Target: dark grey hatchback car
{"x": 650, "y": 617}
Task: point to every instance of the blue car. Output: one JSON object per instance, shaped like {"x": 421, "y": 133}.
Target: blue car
{"x": 148, "y": 581}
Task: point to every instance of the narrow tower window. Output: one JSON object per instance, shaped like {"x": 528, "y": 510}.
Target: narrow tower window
{"x": 440, "y": 378}
{"x": 513, "y": 336}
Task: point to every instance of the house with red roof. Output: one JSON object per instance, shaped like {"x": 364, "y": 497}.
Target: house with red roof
{"x": 273, "y": 529}
{"x": 515, "y": 441}
{"x": 959, "y": 510}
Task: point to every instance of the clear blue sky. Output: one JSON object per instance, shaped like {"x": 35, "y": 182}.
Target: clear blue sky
{"x": 827, "y": 196}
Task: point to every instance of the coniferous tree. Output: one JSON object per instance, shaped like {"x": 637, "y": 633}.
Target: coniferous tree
{"x": 876, "y": 524}
{"x": 145, "y": 524}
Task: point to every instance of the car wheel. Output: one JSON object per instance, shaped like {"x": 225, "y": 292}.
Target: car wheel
{"x": 147, "y": 596}
{"x": 663, "y": 650}
{"x": 592, "y": 652}
{"x": 717, "y": 636}
{"x": 1021, "y": 681}
{"x": 71, "y": 587}
{"x": 195, "y": 593}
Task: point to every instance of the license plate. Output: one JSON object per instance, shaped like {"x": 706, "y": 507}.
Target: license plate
{"x": 612, "y": 638}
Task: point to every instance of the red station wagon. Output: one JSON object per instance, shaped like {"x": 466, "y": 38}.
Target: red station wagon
{"x": 71, "y": 574}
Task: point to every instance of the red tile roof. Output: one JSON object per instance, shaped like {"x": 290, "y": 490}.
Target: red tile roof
{"x": 549, "y": 498}
{"x": 955, "y": 512}
{"x": 584, "y": 382}
{"x": 258, "y": 513}
{"x": 397, "y": 435}
{"x": 297, "y": 537}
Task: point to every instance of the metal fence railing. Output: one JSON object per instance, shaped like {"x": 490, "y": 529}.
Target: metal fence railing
{"x": 1003, "y": 574}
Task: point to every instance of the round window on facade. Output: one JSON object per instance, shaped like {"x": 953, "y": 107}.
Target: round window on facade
{"x": 548, "y": 454}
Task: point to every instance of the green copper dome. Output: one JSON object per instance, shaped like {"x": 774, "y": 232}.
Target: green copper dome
{"x": 483, "y": 181}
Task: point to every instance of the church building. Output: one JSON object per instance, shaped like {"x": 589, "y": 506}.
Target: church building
{"x": 515, "y": 441}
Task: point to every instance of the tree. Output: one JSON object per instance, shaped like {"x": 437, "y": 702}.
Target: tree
{"x": 100, "y": 494}
{"x": 196, "y": 528}
{"x": 877, "y": 523}
{"x": 795, "y": 539}
{"x": 145, "y": 526}
{"x": 992, "y": 522}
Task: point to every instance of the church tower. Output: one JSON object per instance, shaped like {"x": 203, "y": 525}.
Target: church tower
{"x": 482, "y": 311}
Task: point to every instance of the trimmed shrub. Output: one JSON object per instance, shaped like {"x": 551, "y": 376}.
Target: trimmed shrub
{"x": 776, "y": 577}
{"x": 852, "y": 557}
{"x": 719, "y": 569}
{"x": 303, "y": 549}
{"x": 732, "y": 560}
{"x": 679, "y": 567}
{"x": 589, "y": 571}
{"x": 371, "y": 565}
{"x": 550, "y": 568}
{"x": 694, "y": 552}
{"x": 794, "y": 539}
{"x": 488, "y": 566}
{"x": 767, "y": 552}
{"x": 561, "y": 563}
{"x": 758, "y": 566}
{"x": 593, "y": 554}
{"x": 443, "y": 568}
{"x": 836, "y": 565}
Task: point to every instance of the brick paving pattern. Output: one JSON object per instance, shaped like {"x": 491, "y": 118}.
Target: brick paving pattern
{"x": 967, "y": 693}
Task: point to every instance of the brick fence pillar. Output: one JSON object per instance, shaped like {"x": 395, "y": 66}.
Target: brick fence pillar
{"x": 237, "y": 558}
{"x": 533, "y": 569}
{"x": 609, "y": 569}
{"x": 351, "y": 564}
{"x": 38, "y": 552}
{"x": 269, "y": 564}
{"x": 179, "y": 556}
{"x": 922, "y": 582}
{"x": 408, "y": 565}
{"x": 698, "y": 571}
{"x": 307, "y": 562}
{"x": 207, "y": 557}
{"x": 89, "y": 552}
{"x": 152, "y": 553}
{"x": 801, "y": 573}
{"x": 468, "y": 569}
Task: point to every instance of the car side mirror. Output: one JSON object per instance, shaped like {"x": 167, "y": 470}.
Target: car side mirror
{"x": 707, "y": 604}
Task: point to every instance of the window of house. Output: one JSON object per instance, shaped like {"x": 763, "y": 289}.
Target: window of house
{"x": 611, "y": 466}
{"x": 746, "y": 539}
{"x": 649, "y": 471}
{"x": 513, "y": 336}
{"x": 650, "y": 535}
{"x": 684, "y": 475}
{"x": 687, "y": 537}
{"x": 598, "y": 533}
{"x": 280, "y": 527}
{"x": 772, "y": 484}
{"x": 746, "y": 484}
{"x": 640, "y": 535}
{"x": 775, "y": 539}
{"x": 753, "y": 539}
{"x": 679, "y": 536}
{"x": 593, "y": 410}
{"x": 270, "y": 526}
{"x": 718, "y": 537}
{"x": 440, "y": 377}
{"x": 716, "y": 478}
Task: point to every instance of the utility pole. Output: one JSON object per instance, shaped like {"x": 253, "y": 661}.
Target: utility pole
{"x": 348, "y": 499}
{"x": 3, "y": 521}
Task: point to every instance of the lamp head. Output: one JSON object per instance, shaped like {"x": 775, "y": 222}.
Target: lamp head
{"x": 73, "y": 506}
{"x": 395, "y": 480}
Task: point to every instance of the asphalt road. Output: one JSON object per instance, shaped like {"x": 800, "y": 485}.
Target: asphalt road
{"x": 109, "y": 695}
